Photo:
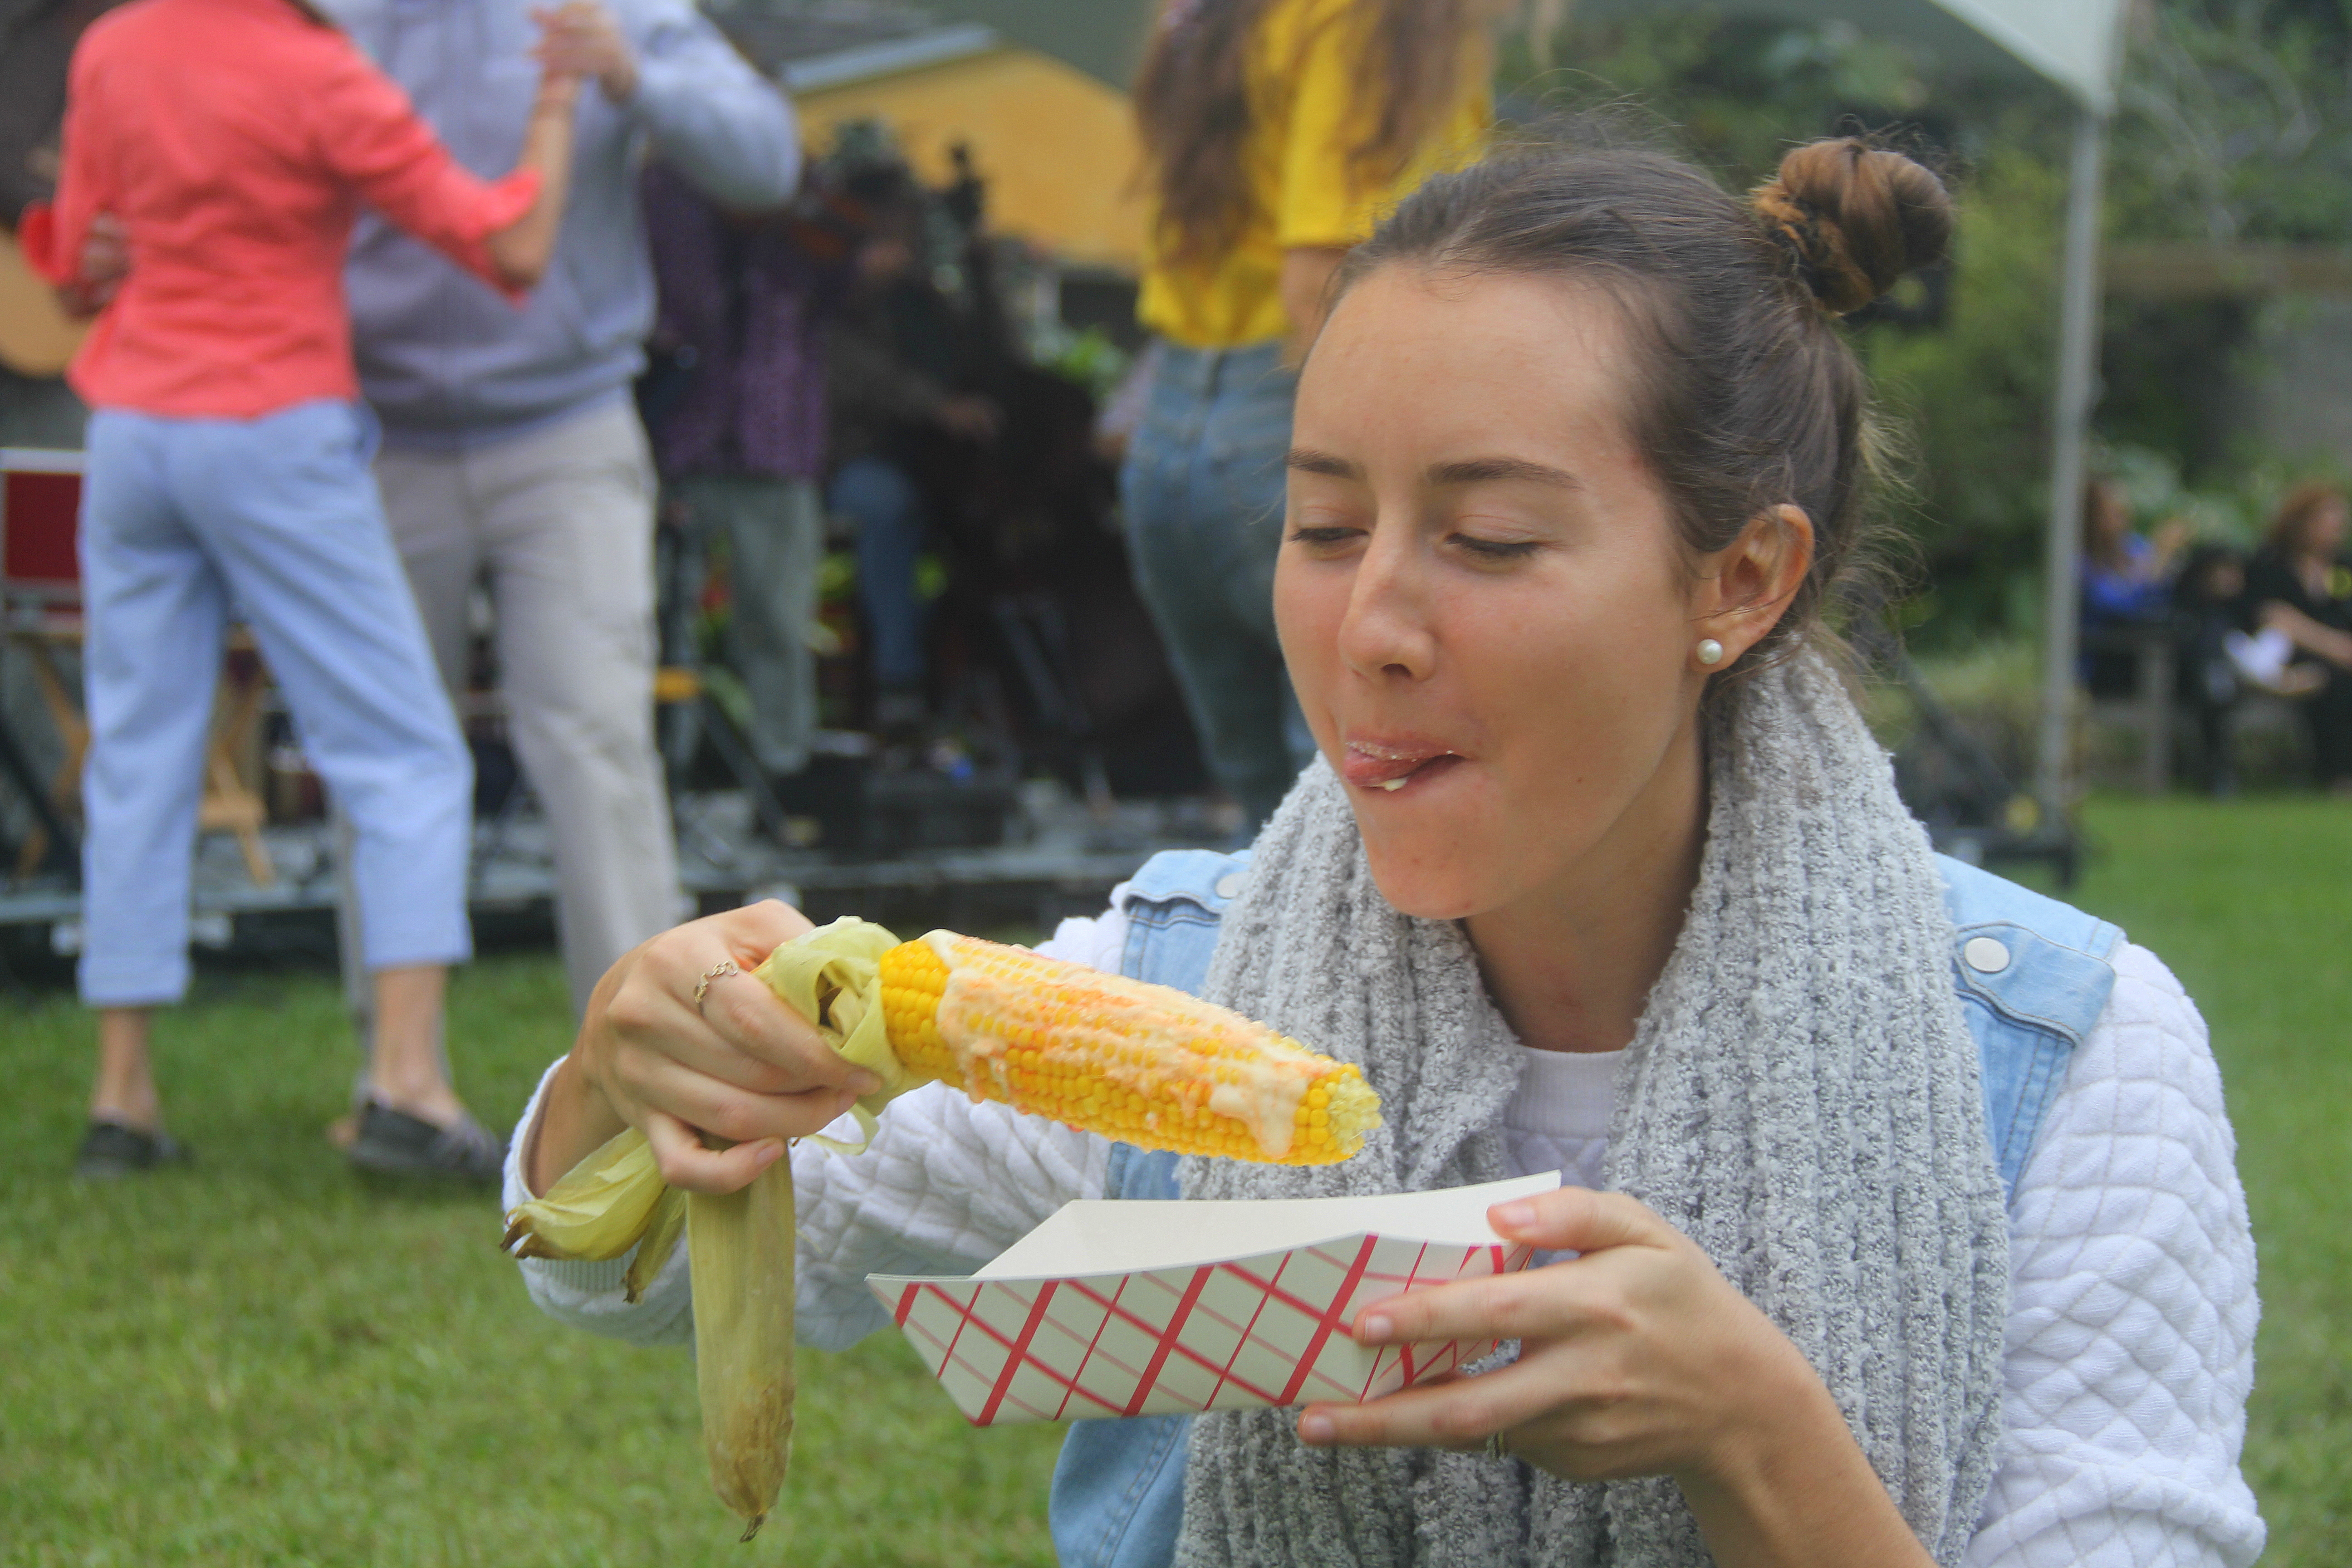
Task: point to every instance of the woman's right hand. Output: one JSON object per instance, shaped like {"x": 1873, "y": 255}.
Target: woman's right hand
{"x": 742, "y": 1066}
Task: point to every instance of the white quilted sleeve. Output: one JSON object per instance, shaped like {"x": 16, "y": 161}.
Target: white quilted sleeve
{"x": 2131, "y": 1329}
{"x": 947, "y": 1185}
{"x": 588, "y": 1295}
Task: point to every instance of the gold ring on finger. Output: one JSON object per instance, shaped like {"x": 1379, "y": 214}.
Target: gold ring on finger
{"x": 1497, "y": 1445}
{"x": 719, "y": 970}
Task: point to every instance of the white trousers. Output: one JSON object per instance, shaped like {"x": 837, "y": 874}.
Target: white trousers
{"x": 558, "y": 521}
{"x": 184, "y": 522}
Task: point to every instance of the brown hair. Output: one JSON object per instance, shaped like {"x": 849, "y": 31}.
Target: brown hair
{"x": 2103, "y": 499}
{"x": 1746, "y": 395}
{"x": 1193, "y": 107}
{"x": 2295, "y": 511}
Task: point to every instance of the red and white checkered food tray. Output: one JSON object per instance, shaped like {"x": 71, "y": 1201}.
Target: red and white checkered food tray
{"x": 1108, "y": 1309}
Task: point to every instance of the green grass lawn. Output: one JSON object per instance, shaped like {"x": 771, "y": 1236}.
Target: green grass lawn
{"x": 262, "y": 1360}
{"x": 2251, "y": 904}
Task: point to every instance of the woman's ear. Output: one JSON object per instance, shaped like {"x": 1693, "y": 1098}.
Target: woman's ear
{"x": 1743, "y": 590}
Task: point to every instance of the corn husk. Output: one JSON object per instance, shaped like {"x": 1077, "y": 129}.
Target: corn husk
{"x": 740, "y": 1246}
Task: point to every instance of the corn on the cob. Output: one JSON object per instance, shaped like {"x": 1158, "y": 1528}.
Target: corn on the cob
{"x": 1144, "y": 1064}
{"x": 1141, "y": 1063}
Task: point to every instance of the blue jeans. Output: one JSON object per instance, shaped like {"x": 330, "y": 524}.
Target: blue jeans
{"x": 1202, "y": 492}
{"x": 276, "y": 520}
{"x": 889, "y": 510}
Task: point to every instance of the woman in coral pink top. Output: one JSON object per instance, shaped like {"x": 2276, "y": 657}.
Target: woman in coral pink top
{"x": 235, "y": 141}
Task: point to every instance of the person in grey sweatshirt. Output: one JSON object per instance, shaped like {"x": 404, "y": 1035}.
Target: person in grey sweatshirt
{"x": 511, "y": 451}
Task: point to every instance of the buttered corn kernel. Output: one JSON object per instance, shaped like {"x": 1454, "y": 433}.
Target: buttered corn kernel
{"x": 1142, "y": 1064}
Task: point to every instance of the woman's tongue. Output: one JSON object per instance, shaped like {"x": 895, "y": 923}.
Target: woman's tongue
{"x": 1391, "y": 768}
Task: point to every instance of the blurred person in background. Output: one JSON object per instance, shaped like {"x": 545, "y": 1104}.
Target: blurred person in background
{"x": 896, "y": 375}
{"x": 2127, "y": 576}
{"x": 228, "y": 470}
{"x": 2206, "y": 604}
{"x": 1275, "y": 133}
{"x": 735, "y": 404}
{"x": 512, "y": 451}
{"x": 36, "y": 39}
{"x": 2298, "y": 585}
{"x": 2127, "y": 580}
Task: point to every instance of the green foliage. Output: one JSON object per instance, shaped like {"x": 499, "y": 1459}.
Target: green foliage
{"x": 2234, "y": 124}
{"x": 1966, "y": 399}
{"x": 1993, "y": 687}
{"x": 1972, "y": 398}
{"x": 2234, "y": 508}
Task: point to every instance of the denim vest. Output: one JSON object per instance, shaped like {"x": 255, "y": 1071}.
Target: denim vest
{"x": 2033, "y": 976}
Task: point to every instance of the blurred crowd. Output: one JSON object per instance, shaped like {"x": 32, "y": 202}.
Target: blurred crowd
{"x": 480, "y": 448}
{"x": 2241, "y": 628}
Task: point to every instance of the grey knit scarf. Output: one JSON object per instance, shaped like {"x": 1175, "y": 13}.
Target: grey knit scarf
{"x": 1801, "y": 1098}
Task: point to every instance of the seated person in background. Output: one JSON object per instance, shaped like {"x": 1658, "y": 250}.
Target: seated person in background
{"x": 2219, "y": 660}
{"x": 2206, "y": 603}
{"x": 235, "y": 141}
{"x": 892, "y": 368}
{"x": 2127, "y": 580}
{"x": 2298, "y": 584}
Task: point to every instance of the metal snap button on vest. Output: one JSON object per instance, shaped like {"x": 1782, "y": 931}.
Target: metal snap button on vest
{"x": 1229, "y": 886}
{"x": 1985, "y": 956}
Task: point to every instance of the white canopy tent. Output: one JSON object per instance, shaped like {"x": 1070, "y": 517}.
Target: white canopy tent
{"x": 2075, "y": 44}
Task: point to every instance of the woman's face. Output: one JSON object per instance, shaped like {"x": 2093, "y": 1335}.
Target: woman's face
{"x": 1479, "y": 594}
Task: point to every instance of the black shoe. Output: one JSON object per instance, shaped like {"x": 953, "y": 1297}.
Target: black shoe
{"x": 109, "y": 1151}
{"x": 392, "y": 1142}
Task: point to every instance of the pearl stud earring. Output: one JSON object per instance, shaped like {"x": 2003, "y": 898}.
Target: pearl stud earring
{"x": 1710, "y": 651}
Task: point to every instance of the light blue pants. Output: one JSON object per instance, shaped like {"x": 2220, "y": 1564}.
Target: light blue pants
{"x": 276, "y": 521}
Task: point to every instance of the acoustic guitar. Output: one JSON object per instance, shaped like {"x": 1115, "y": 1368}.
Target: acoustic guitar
{"x": 36, "y": 337}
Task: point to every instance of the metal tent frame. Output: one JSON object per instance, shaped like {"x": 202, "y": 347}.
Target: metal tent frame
{"x": 2073, "y": 45}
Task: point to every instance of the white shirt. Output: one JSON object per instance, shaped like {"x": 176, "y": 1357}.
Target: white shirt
{"x": 2131, "y": 1312}
{"x": 1558, "y": 1119}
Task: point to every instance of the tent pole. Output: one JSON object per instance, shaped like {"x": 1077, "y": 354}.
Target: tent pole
{"x": 2078, "y": 347}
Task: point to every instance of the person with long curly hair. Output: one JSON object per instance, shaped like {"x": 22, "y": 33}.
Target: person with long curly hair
{"x": 2299, "y": 583}
{"x": 1275, "y": 133}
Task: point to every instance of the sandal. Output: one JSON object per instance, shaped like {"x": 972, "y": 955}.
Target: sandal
{"x": 110, "y": 1150}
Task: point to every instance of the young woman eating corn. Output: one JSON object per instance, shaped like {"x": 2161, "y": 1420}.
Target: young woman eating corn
{"x": 1901, "y": 1223}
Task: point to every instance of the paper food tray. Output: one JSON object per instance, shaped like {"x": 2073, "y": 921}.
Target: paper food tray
{"x": 1144, "y": 1308}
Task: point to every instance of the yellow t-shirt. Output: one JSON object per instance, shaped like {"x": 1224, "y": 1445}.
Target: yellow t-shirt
{"x": 1309, "y": 110}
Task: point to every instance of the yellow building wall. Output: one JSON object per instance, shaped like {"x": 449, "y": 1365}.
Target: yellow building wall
{"x": 1057, "y": 147}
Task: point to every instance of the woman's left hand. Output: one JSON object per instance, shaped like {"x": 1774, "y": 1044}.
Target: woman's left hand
{"x": 1639, "y": 1358}
{"x": 1636, "y": 1358}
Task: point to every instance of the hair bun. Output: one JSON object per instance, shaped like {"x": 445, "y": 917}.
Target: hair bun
{"x": 1857, "y": 218}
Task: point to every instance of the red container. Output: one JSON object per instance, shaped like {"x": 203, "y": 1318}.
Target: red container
{"x": 40, "y": 508}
